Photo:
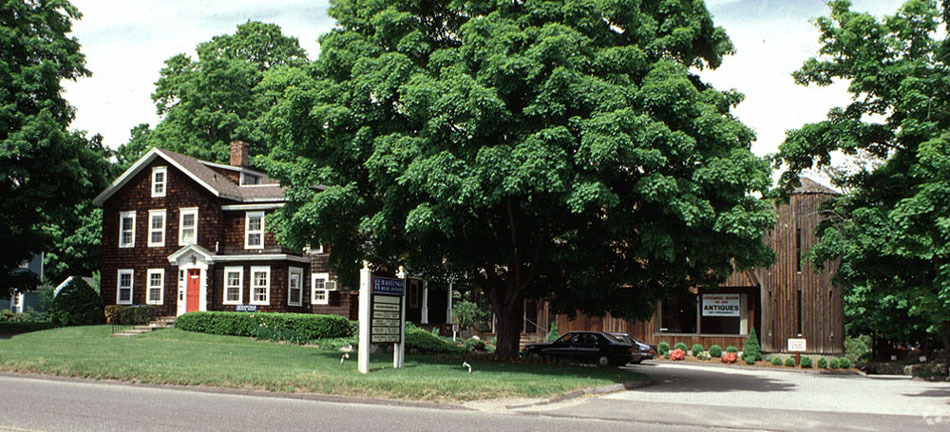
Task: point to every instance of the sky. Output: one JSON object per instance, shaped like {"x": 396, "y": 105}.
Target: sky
{"x": 126, "y": 44}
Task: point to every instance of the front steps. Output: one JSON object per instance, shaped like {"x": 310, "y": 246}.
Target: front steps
{"x": 159, "y": 323}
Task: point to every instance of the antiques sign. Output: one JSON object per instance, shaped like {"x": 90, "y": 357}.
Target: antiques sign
{"x": 721, "y": 305}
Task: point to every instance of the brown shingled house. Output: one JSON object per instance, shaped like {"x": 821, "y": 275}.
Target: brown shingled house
{"x": 190, "y": 235}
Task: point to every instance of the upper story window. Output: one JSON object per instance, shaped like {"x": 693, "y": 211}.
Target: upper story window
{"x": 127, "y": 229}
{"x": 248, "y": 179}
{"x": 254, "y": 230}
{"x": 187, "y": 226}
{"x": 159, "y": 181}
{"x": 156, "y": 228}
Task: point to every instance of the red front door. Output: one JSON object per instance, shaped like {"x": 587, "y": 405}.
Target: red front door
{"x": 193, "y": 294}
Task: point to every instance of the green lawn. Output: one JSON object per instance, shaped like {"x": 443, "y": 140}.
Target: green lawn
{"x": 174, "y": 356}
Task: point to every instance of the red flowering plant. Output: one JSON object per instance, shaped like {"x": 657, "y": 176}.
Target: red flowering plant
{"x": 677, "y": 354}
{"x": 729, "y": 357}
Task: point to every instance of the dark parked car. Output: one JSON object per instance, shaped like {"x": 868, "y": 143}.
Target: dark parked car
{"x": 646, "y": 351}
{"x": 587, "y": 347}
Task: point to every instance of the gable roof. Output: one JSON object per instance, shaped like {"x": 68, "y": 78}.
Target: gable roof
{"x": 809, "y": 186}
{"x": 201, "y": 173}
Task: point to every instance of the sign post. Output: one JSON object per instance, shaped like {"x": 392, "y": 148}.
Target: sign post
{"x": 366, "y": 277}
{"x": 797, "y": 346}
{"x": 382, "y": 315}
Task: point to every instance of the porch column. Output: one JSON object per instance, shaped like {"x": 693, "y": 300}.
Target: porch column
{"x": 425, "y": 302}
{"x": 448, "y": 310}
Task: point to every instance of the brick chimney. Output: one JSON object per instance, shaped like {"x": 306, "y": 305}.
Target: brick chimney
{"x": 239, "y": 154}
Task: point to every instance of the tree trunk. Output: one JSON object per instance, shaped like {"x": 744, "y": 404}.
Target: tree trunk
{"x": 945, "y": 331}
{"x": 508, "y": 326}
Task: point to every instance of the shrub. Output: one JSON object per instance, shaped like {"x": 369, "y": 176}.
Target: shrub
{"x": 696, "y": 349}
{"x": 425, "y": 342}
{"x": 680, "y": 346}
{"x": 354, "y": 329}
{"x": 552, "y": 333}
{"x": 77, "y": 304}
{"x": 833, "y": 364}
{"x": 790, "y": 362}
{"x": 703, "y": 356}
{"x": 806, "y": 362}
{"x": 305, "y": 327}
{"x": 677, "y": 354}
{"x": 729, "y": 357}
{"x": 263, "y": 332}
{"x": 715, "y": 351}
{"x": 474, "y": 344}
{"x": 776, "y": 361}
{"x": 731, "y": 349}
{"x": 844, "y": 363}
{"x": 822, "y": 363}
{"x": 663, "y": 348}
{"x": 752, "y": 347}
{"x": 130, "y": 315}
{"x": 857, "y": 349}
{"x": 748, "y": 359}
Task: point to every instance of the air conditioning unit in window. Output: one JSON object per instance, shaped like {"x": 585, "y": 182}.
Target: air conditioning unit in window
{"x": 330, "y": 285}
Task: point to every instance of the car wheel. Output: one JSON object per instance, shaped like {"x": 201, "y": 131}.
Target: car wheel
{"x": 604, "y": 361}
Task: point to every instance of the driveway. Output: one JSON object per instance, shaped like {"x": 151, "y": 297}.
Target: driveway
{"x": 765, "y": 399}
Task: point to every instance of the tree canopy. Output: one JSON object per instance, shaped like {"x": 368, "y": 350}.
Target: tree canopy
{"x": 45, "y": 170}
{"x": 558, "y": 149}
{"x": 892, "y": 228}
{"x": 209, "y": 102}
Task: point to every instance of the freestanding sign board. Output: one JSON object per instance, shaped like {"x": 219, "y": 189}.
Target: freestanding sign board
{"x": 382, "y": 315}
{"x": 797, "y": 345}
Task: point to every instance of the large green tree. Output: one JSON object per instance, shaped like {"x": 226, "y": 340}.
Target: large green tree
{"x": 560, "y": 149}
{"x": 43, "y": 167}
{"x": 892, "y": 228}
{"x": 208, "y": 102}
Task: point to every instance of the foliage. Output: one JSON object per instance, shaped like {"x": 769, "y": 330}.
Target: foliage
{"x": 680, "y": 346}
{"x": 130, "y": 315}
{"x": 468, "y": 314}
{"x": 306, "y": 327}
{"x": 729, "y": 357}
{"x": 823, "y": 363}
{"x": 832, "y": 364}
{"x": 208, "y": 102}
{"x": 805, "y": 362}
{"x": 663, "y": 348}
{"x": 858, "y": 348}
{"x": 288, "y": 334}
{"x": 703, "y": 355}
{"x": 528, "y": 148}
{"x": 895, "y": 214}
{"x": 46, "y": 171}
{"x": 715, "y": 351}
{"x": 29, "y": 316}
{"x": 696, "y": 349}
{"x": 777, "y": 361}
{"x": 732, "y": 349}
{"x": 354, "y": 329}
{"x": 423, "y": 342}
{"x": 77, "y": 304}
{"x": 751, "y": 346}
{"x": 790, "y": 362}
{"x": 677, "y": 354}
{"x": 474, "y": 343}
{"x": 16, "y": 327}
{"x": 844, "y": 363}
{"x": 748, "y": 359}
{"x": 553, "y": 334}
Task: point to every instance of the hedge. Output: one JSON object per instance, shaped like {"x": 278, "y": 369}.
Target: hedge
{"x": 306, "y": 326}
{"x": 425, "y": 342}
{"x": 77, "y": 304}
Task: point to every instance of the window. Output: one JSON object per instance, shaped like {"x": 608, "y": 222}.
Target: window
{"x": 414, "y": 292}
{"x": 295, "y": 286}
{"x": 260, "y": 285}
{"x": 321, "y": 292}
{"x": 127, "y": 229}
{"x": 678, "y": 315}
{"x": 123, "y": 292}
{"x": 798, "y": 250}
{"x": 724, "y": 313}
{"x": 187, "y": 226}
{"x": 159, "y": 181}
{"x": 156, "y": 286}
{"x": 156, "y": 228}
{"x": 233, "y": 285}
{"x": 254, "y": 230}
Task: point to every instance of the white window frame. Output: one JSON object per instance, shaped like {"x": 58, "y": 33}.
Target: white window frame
{"x": 182, "y": 212}
{"x": 248, "y": 232}
{"x": 149, "y": 286}
{"x": 151, "y": 229}
{"x": 314, "y": 277}
{"x": 291, "y": 271}
{"x": 164, "y": 183}
{"x": 266, "y": 300}
{"x": 118, "y": 286}
{"x": 240, "y": 285}
{"x": 122, "y": 228}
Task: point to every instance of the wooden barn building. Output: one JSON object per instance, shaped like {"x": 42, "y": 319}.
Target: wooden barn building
{"x": 786, "y": 300}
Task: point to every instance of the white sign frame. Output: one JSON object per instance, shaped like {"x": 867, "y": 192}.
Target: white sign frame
{"x": 797, "y": 345}
{"x": 722, "y": 305}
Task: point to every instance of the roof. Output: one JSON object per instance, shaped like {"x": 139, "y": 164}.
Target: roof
{"x": 199, "y": 171}
{"x": 809, "y": 186}
{"x": 88, "y": 280}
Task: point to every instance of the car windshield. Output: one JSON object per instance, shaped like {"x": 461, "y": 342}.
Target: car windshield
{"x": 616, "y": 339}
{"x": 565, "y": 339}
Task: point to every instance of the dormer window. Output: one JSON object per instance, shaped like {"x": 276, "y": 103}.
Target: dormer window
{"x": 254, "y": 230}
{"x": 249, "y": 179}
{"x": 159, "y": 181}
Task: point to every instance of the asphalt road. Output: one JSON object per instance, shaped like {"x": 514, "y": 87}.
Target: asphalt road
{"x": 763, "y": 399}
